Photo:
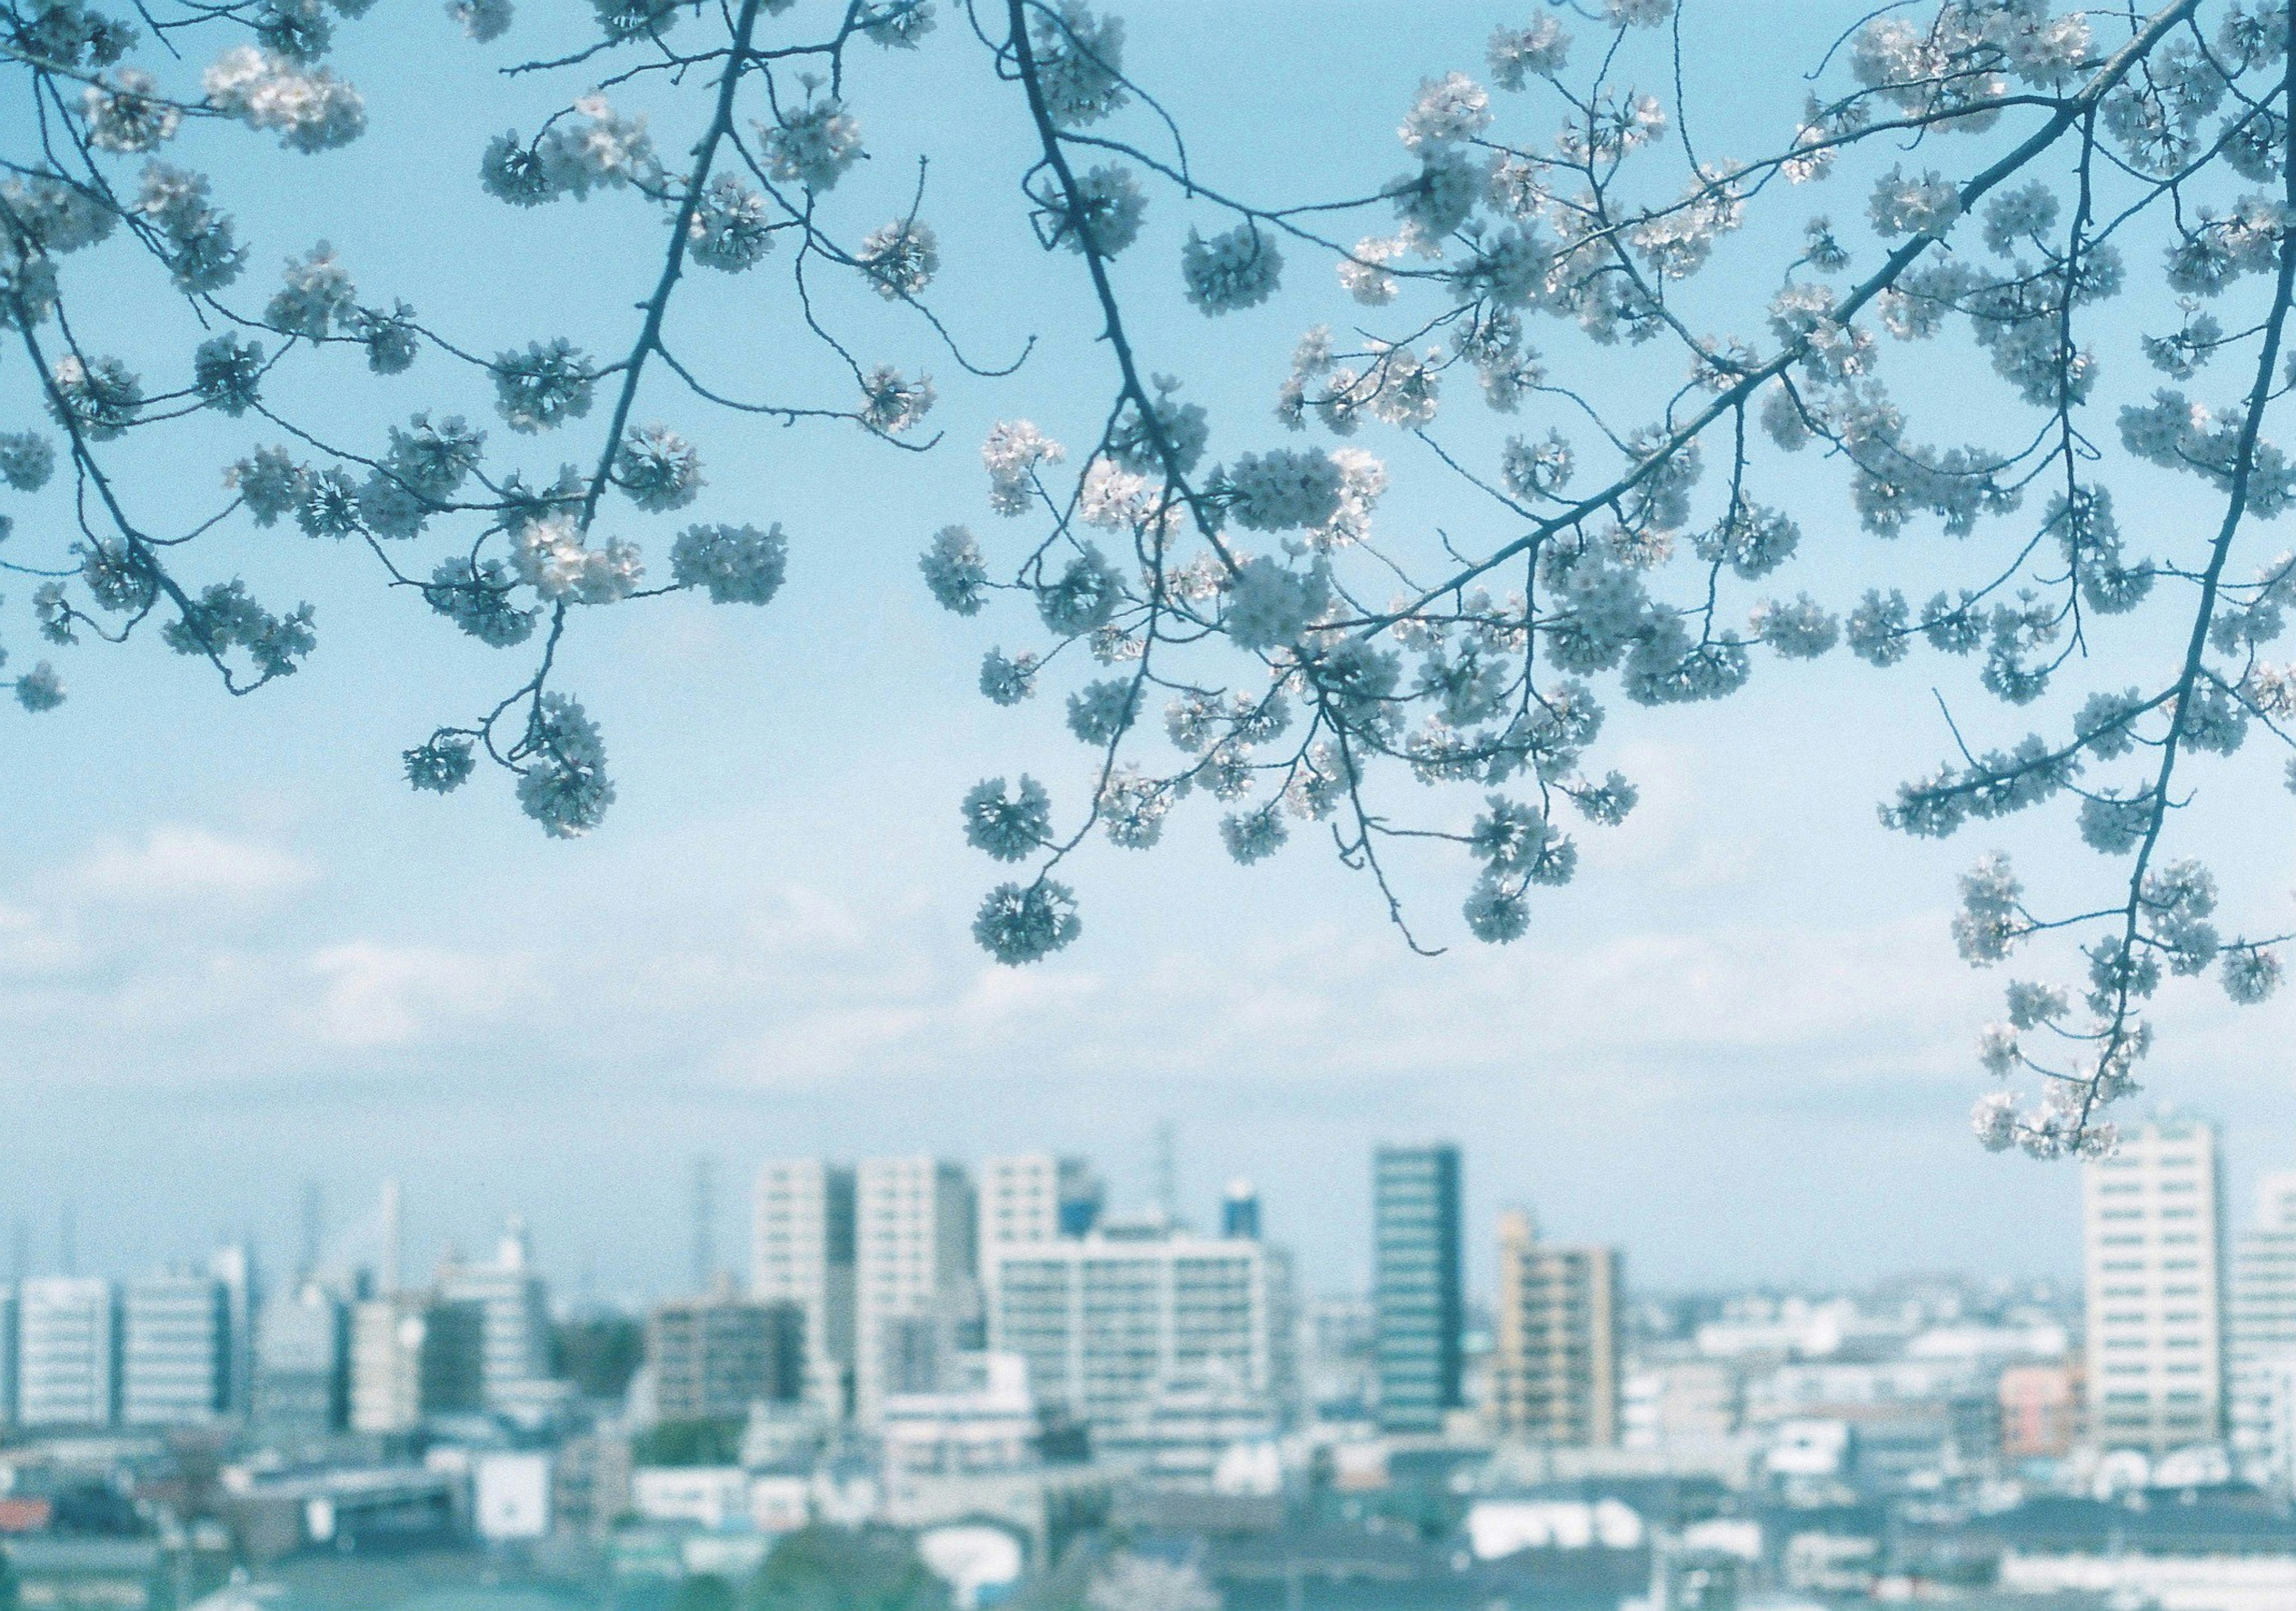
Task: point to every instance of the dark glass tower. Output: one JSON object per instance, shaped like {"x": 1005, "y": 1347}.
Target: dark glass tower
{"x": 1417, "y": 1291}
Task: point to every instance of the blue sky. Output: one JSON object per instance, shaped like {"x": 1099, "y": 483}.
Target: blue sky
{"x": 235, "y": 952}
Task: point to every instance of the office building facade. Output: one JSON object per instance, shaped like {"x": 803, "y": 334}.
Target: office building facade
{"x": 67, "y": 1353}
{"x": 1418, "y": 1292}
{"x": 387, "y": 1364}
{"x": 2260, "y": 1331}
{"x": 1037, "y": 1196}
{"x": 8, "y": 1305}
{"x": 414, "y": 1355}
{"x": 176, "y": 1349}
{"x": 302, "y": 1367}
{"x": 514, "y": 1307}
{"x": 1240, "y": 1211}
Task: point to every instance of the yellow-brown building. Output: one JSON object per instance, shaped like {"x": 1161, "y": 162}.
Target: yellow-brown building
{"x": 1555, "y": 1372}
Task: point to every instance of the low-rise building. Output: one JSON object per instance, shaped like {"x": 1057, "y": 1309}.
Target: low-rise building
{"x": 984, "y": 1419}
{"x": 2040, "y": 1411}
{"x": 302, "y": 1368}
{"x": 715, "y": 1357}
{"x": 1204, "y": 1433}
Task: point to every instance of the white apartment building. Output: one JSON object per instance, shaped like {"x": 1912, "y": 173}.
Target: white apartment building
{"x": 517, "y": 1317}
{"x": 67, "y": 1353}
{"x": 2151, "y": 1219}
{"x": 982, "y": 1418}
{"x": 1108, "y": 1321}
{"x": 802, "y": 1252}
{"x": 2260, "y": 1336}
{"x": 1036, "y": 1197}
{"x": 914, "y": 1286}
{"x": 176, "y": 1351}
{"x": 386, "y": 1365}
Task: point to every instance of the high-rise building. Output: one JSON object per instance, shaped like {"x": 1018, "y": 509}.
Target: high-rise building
{"x": 1418, "y": 1292}
{"x": 234, "y": 1266}
{"x": 714, "y": 1357}
{"x": 516, "y": 1305}
{"x": 176, "y": 1351}
{"x": 457, "y": 1369}
{"x": 2260, "y": 1328}
{"x": 1108, "y": 1321}
{"x": 1556, "y": 1376}
{"x": 914, "y": 1246}
{"x": 67, "y": 1353}
{"x": 1240, "y": 1211}
{"x": 2152, "y": 1218}
{"x": 413, "y": 1356}
{"x": 801, "y": 1251}
{"x": 386, "y": 1335}
{"x": 1083, "y": 1197}
{"x": 302, "y": 1368}
{"x": 1036, "y": 1197}
{"x": 8, "y": 1305}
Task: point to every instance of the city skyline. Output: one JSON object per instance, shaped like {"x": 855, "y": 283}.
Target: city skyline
{"x": 353, "y": 1223}
{"x": 924, "y": 1345}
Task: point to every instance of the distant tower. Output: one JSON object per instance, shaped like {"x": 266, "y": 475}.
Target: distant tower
{"x": 1240, "y": 1211}
{"x": 315, "y": 1229}
{"x": 705, "y": 1215}
{"x": 68, "y": 1239}
{"x": 392, "y": 1233}
{"x": 1167, "y": 1171}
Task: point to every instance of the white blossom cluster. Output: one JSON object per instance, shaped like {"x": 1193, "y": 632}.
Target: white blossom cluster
{"x": 1626, "y": 551}
{"x": 515, "y": 550}
{"x": 591, "y": 148}
{"x": 1284, "y": 627}
{"x": 310, "y": 108}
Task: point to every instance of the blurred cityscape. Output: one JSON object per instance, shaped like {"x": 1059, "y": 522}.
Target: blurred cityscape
{"x": 939, "y": 1385}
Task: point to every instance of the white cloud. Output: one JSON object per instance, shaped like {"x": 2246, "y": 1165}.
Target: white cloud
{"x": 1328, "y": 1002}
{"x": 29, "y": 943}
{"x": 175, "y": 862}
{"x": 1671, "y": 841}
{"x": 382, "y": 996}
